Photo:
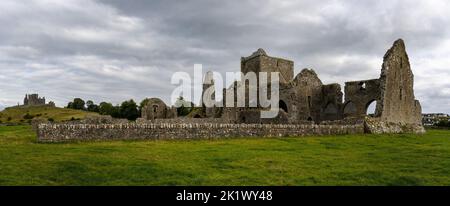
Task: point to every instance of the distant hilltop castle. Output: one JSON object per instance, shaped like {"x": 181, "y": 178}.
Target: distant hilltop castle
{"x": 35, "y": 100}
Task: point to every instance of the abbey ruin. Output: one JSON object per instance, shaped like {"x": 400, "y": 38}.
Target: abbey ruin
{"x": 307, "y": 106}
{"x": 305, "y": 98}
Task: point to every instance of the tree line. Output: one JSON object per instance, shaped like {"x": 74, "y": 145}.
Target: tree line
{"x": 128, "y": 109}
{"x": 443, "y": 123}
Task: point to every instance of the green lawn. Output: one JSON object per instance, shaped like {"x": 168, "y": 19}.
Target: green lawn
{"x": 329, "y": 160}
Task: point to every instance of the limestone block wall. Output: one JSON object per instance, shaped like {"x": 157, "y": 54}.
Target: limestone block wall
{"x": 376, "y": 126}
{"x": 132, "y": 131}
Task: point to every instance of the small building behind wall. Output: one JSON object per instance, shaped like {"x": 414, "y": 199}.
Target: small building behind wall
{"x": 157, "y": 109}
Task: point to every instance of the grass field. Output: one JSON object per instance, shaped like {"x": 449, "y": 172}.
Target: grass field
{"x": 338, "y": 160}
{"x": 18, "y": 114}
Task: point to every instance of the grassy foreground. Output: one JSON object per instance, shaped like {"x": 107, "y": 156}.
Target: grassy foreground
{"x": 340, "y": 160}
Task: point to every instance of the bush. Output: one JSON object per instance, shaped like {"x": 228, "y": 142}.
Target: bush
{"x": 129, "y": 110}
{"x": 443, "y": 123}
{"x": 9, "y": 119}
{"x": 50, "y": 119}
{"x": 28, "y": 116}
{"x": 77, "y": 103}
{"x": 183, "y": 107}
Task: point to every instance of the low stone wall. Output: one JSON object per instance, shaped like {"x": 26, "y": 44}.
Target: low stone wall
{"x": 375, "y": 126}
{"x": 132, "y": 131}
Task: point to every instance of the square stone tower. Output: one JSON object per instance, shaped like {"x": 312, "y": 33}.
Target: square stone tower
{"x": 259, "y": 61}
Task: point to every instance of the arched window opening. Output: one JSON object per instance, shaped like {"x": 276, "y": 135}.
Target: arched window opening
{"x": 330, "y": 109}
{"x": 349, "y": 109}
{"x": 283, "y": 106}
{"x": 363, "y": 86}
{"x": 371, "y": 107}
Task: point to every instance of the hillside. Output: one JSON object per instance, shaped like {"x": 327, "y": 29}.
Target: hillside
{"x": 24, "y": 114}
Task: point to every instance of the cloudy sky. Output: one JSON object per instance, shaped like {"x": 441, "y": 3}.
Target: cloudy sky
{"x": 116, "y": 50}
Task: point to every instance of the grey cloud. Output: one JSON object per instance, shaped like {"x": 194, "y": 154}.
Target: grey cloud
{"x": 112, "y": 50}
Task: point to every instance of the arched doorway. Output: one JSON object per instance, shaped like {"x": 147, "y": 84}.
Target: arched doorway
{"x": 330, "y": 111}
{"x": 371, "y": 108}
{"x": 283, "y": 106}
{"x": 349, "y": 109}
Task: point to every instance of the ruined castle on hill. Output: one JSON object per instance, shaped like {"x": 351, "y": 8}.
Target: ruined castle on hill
{"x": 307, "y": 106}
{"x": 35, "y": 100}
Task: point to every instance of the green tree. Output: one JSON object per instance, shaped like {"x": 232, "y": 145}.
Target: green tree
{"x": 70, "y": 105}
{"x": 106, "y": 108}
{"x": 443, "y": 123}
{"x": 91, "y": 107}
{"x": 129, "y": 110}
{"x": 183, "y": 107}
{"x": 116, "y": 112}
{"x": 77, "y": 103}
{"x": 142, "y": 105}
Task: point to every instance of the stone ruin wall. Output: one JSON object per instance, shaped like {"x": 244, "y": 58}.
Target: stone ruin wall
{"x": 33, "y": 100}
{"x": 167, "y": 131}
{"x": 398, "y": 102}
{"x": 107, "y": 128}
{"x": 310, "y": 108}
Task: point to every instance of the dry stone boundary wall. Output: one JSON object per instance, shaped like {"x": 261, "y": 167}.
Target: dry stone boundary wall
{"x": 134, "y": 131}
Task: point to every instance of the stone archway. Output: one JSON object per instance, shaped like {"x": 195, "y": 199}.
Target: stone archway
{"x": 330, "y": 112}
{"x": 349, "y": 109}
{"x": 370, "y": 108}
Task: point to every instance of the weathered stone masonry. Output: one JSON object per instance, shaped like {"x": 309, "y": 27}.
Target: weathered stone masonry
{"x": 164, "y": 131}
{"x": 308, "y": 107}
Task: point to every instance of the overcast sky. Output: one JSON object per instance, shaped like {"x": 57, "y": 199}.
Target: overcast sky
{"x": 118, "y": 50}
